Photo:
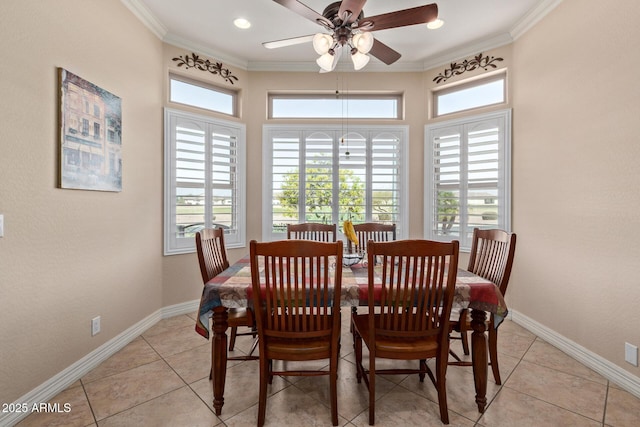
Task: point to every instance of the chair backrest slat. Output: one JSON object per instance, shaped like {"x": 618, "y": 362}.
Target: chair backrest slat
{"x": 371, "y": 231}
{"x": 417, "y": 280}
{"x": 312, "y": 231}
{"x": 492, "y": 253}
{"x": 212, "y": 254}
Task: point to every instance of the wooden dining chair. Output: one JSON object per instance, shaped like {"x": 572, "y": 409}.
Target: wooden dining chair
{"x": 212, "y": 256}
{"x": 370, "y": 231}
{"x": 491, "y": 257}
{"x": 409, "y": 299}
{"x": 296, "y": 296}
{"x": 312, "y": 231}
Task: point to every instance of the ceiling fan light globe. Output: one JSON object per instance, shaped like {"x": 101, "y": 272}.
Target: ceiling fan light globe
{"x": 363, "y": 42}
{"x": 359, "y": 60}
{"x": 322, "y": 43}
{"x": 326, "y": 62}
{"x": 435, "y": 24}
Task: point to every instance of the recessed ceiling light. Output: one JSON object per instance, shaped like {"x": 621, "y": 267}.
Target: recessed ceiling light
{"x": 242, "y": 23}
{"x": 434, "y": 25}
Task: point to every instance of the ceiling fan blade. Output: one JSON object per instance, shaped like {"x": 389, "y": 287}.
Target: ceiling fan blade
{"x": 352, "y": 6}
{"x": 384, "y": 53}
{"x": 402, "y": 18}
{"x": 306, "y": 12}
{"x": 288, "y": 42}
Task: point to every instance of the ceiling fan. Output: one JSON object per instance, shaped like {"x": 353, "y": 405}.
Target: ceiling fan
{"x": 348, "y": 27}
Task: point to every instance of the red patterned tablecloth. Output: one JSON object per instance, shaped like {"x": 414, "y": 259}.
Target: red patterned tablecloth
{"x": 232, "y": 289}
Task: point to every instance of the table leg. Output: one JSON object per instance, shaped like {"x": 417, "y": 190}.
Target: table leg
{"x": 479, "y": 356}
{"x": 219, "y": 356}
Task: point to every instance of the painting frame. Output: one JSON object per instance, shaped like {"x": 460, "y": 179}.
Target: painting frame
{"x": 90, "y": 120}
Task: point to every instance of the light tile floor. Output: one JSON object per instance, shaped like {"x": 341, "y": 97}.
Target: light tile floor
{"x": 161, "y": 379}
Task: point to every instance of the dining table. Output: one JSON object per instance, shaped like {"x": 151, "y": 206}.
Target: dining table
{"x": 232, "y": 289}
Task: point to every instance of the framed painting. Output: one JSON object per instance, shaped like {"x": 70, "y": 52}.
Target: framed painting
{"x": 90, "y": 135}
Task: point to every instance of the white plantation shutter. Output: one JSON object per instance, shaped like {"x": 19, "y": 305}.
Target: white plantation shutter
{"x": 204, "y": 179}
{"x": 387, "y": 179}
{"x": 467, "y": 179}
{"x": 319, "y": 167}
{"x": 284, "y": 164}
{"x": 317, "y": 182}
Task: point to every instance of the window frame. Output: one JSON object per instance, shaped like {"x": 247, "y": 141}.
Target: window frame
{"x": 234, "y": 239}
{"x": 234, "y": 94}
{"x": 457, "y": 87}
{"x": 504, "y": 172}
{"x": 402, "y": 223}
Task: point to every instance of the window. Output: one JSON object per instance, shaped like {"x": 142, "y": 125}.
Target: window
{"x": 201, "y": 95}
{"x": 475, "y": 94}
{"x": 467, "y": 176}
{"x": 331, "y": 106}
{"x": 204, "y": 179}
{"x": 313, "y": 174}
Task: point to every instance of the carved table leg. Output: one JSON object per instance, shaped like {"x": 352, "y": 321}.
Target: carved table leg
{"x": 219, "y": 356}
{"x": 479, "y": 356}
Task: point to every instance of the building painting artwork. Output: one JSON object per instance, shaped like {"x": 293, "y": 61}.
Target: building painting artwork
{"x": 90, "y": 136}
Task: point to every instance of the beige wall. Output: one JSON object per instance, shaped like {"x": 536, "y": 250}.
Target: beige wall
{"x": 576, "y": 114}
{"x": 70, "y": 255}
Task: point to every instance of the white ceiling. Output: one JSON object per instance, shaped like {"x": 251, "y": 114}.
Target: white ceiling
{"x": 206, "y": 27}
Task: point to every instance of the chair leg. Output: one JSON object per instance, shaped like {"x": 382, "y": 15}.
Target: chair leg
{"x": 441, "y": 371}
{"x": 372, "y": 388}
{"x": 354, "y": 312}
{"x": 465, "y": 341}
{"x": 423, "y": 368}
{"x": 262, "y": 396}
{"x": 333, "y": 388}
{"x": 357, "y": 343}
{"x": 464, "y": 329}
{"x": 493, "y": 354}
{"x": 253, "y": 346}
{"x": 232, "y": 338}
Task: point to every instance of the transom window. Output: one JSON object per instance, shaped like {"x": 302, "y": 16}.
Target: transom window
{"x": 201, "y": 95}
{"x": 467, "y": 176}
{"x": 467, "y": 96}
{"x": 322, "y": 174}
{"x": 332, "y": 106}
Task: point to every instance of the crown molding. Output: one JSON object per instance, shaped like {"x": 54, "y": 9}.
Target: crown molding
{"x": 147, "y": 18}
{"x": 206, "y": 51}
{"x": 533, "y": 17}
{"x": 447, "y": 57}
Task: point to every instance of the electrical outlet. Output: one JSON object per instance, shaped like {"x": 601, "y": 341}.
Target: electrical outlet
{"x": 631, "y": 353}
{"x": 95, "y": 326}
{"x": 1, "y": 225}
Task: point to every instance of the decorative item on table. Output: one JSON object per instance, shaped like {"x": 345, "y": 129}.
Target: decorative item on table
{"x": 350, "y": 259}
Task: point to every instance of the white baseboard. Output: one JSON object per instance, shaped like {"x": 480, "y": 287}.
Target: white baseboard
{"x": 59, "y": 382}
{"x": 604, "y": 367}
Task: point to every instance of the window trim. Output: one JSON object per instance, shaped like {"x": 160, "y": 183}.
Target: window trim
{"x": 169, "y": 179}
{"x": 437, "y": 93}
{"x": 505, "y": 169}
{"x": 271, "y": 96}
{"x": 267, "y": 167}
{"x": 235, "y": 95}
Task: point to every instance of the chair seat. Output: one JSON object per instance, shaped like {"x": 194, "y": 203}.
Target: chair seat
{"x": 298, "y": 348}
{"x": 240, "y": 317}
{"x": 394, "y": 347}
